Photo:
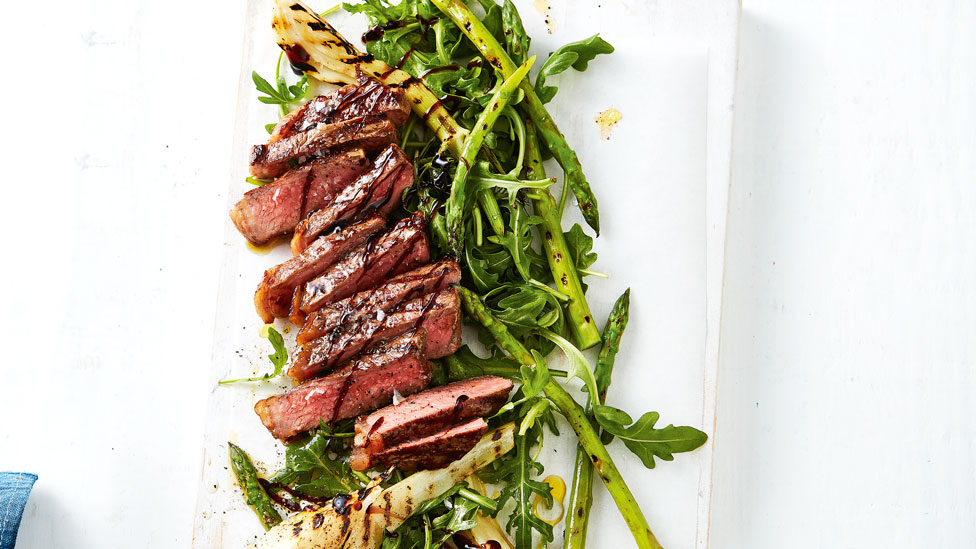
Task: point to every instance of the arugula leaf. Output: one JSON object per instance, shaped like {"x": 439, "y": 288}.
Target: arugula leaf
{"x": 517, "y": 471}
{"x": 575, "y": 54}
{"x": 534, "y": 379}
{"x": 315, "y": 466}
{"x": 643, "y": 439}
{"x": 580, "y": 244}
{"x": 578, "y": 366}
{"x": 464, "y": 364}
{"x": 278, "y": 358}
{"x": 519, "y": 238}
{"x": 283, "y": 94}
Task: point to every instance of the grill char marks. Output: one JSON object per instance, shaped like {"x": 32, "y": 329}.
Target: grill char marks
{"x": 430, "y": 412}
{"x": 370, "y": 133}
{"x": 273, "y": 296}
{"x": 379, "y": 190}
{"x": 366, "y": 97}
{"x": 274, "y": 209}
{"x": 430, "y": 452}
{"x": 402, "y": 248}
{"x": 358, "y": 386}
{"x": 438, "y": 314}
{"x": 399, "y": 289}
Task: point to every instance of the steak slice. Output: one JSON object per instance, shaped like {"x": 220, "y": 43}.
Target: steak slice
{"x": 273, "y": 296}
{"x": 370, "y": 133}
{"x": 411, "y": 285}
{"x": 430, "y": 452}
{"x": 438, "y": 314}
{"x": 366, "y": 96}
{"x": 360, "y": 385}
{"x": 402, "y": 248}
{"x": 431, "y": 411}
{"x": 379, "y": 189}
{"x": 274, "y": 209}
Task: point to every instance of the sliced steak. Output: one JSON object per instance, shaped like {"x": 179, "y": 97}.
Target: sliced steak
{"x": 380, "y": 189}
{"x": 438, "y": 314}
{"x": 430, "y": 452}
{"x": 274, "y": 294}
{"x": 366, "y": 96}
{"x": 411, "y": 285}
{"x": 402, "y": 248}
{"x": 360, "y": 385}
{"x": 274, "y": 209}
{"x": 431, "y": 411}
{"x": 370, "y": 133}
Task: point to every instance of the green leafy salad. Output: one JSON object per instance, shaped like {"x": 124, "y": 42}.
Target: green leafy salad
{"x": 478, "y": 136}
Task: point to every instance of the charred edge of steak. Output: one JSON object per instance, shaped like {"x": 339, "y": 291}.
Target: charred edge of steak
{"x": 359, "y": 385}
{"x": 402, "y": 248}
{"x": 439, "y": 314}
{"x": 431, "y": 411}
{"x": 399, "y": 289}
{"x": 273, "y": 296}
{"x": 273, "y": 210}
{"x": 431, "y": 452}
{"x": 371, "y": 133}
{"x": 367, "y": 96}
{"x": 379, "y": 189}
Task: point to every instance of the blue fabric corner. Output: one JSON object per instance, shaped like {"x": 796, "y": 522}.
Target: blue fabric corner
{"x": 15, "y": 488}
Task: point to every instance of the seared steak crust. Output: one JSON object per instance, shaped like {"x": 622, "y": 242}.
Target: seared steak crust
{"x": 274, "y": 209}
{"x": 411, "y": 285}
{"x": 366, "y": 96}
{"x": 370, "y": 133}
{"x": 438, "y": 314}
{"x": 430, "y": 452}
{"x": 273, "y": 296}
{"x": 380, "y": 189}
{"x": 431, "y": 411}
{"x": 402, "y": 248}
{"x": 360, "y": 385}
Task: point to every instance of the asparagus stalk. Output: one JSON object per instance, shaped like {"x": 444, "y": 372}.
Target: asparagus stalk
{"x": 472, "y": 146}
{"x": 254, "y": 493}
{"x": 557, "y": 252}
{"x": 495, "y": 53}
{"x": 588, "y": 437}
{"x": 581, "y": 495}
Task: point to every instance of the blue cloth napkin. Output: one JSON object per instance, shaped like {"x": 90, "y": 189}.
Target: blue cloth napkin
{"x": 14, "y": 490}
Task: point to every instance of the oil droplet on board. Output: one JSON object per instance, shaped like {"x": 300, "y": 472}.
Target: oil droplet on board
{"x": 260, "y": 250}
{"x": 606, "y": 120}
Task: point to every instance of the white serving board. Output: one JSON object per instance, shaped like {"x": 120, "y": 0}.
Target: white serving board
{"x": 662, "y": 183}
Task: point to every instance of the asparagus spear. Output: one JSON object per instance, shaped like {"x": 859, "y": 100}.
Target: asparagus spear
{"x": 495, "y": 53}
{"x": 254, "y": 493}
{"x": 557, "y": 252}
{"x": 472, "y": 145}
{"x": 588, "y": 437}
{"x": 581, "y": 495}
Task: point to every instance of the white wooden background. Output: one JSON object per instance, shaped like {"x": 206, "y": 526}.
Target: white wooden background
{"x": 845, "y": 417}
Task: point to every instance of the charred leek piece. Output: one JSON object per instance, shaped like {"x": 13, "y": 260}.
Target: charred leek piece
{"x": 316, "y": 47}
{"x": 581, "y": 495}
{"x": 254, "y": 493}
{"x": 456, "y": 203}
{"x": 589, "y": 438}
{"x": 495, "y": 53}
{"x": 557, "y": 252}
{"x": 357, "y": 521}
